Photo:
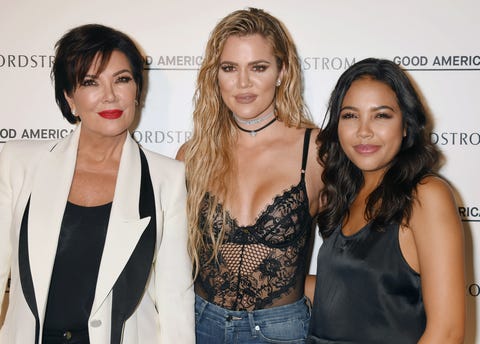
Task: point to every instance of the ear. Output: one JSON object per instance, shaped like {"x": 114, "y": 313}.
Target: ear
{"x": 405, "y": 132}
{"x": 70, "y": 102}
{"x": 282, "y": 72}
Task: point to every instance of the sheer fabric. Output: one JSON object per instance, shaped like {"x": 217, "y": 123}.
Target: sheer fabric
{"x": 262, "y": 265}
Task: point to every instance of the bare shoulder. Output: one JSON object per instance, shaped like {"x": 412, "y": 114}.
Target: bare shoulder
{"x": 434, "y": 191}
{"x": 313, "y": 153}
{"x": 314, "y": 173}
{"x": 435, "y": 206}
{"x": 181, "y": 152}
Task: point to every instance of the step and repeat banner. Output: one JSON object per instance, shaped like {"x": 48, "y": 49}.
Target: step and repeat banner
{"x": 437, "y": 41}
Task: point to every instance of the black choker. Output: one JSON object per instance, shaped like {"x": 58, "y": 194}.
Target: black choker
{"x": 254, "y": 132}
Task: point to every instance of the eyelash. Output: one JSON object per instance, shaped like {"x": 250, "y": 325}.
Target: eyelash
{"x": 383, "y": 115}
{"x": 347, "y": 115}
{"x": 260, "y": 68}
{"x": 227, "y": 68}
{"x": 256, "y": 68}
{"x": 93, "y": 82}
{"x": 88, "y": 82}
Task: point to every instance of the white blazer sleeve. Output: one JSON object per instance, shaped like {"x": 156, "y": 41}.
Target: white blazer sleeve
{"x": 173, "y": 268}
{"x": 6, "y": 213}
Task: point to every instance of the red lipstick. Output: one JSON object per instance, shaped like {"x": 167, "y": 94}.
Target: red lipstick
{"x": 111, "y": 114}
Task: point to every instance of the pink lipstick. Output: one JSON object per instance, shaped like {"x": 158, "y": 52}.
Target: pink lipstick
{"x": 246, "y": 98}
{"x": 111, "y": 114}
{"x": 366, "y": 149}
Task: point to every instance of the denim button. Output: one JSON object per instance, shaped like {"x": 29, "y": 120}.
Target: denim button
{"x": 229, "y": 318}
{"x": 257, "y": 328}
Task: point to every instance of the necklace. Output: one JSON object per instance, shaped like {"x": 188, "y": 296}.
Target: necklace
{"x": 251, "y": 121}
{"x": 253, "y": 132}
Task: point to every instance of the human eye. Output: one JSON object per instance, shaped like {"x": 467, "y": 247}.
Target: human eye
{"x": 383, "y": 115}
{"x": 124, "y": 79}
{"x": 88, "y": 82}
{"x": 260, "y": 67}
{"x": 227, "y": 68}
{"x": 347, "y": 115}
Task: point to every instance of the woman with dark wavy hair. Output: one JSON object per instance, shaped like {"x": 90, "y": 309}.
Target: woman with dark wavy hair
{"x": 391, "y": 268}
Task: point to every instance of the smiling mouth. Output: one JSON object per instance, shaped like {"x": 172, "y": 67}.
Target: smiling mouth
{"x": 245, "y": 98}
{"x": 111, "y": 114}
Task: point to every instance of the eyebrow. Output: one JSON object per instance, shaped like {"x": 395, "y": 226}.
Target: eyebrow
{"x": 114, "y": 74}
{"x": 250, "y": 63}
{"x": 376, "y": 108}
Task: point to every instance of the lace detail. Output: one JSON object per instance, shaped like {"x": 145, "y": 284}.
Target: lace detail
{"x": 260, "y": 265}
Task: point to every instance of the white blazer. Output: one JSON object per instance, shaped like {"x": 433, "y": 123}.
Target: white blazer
{"x": 42, "y": 171}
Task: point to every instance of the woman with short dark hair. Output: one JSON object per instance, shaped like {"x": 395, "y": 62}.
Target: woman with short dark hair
{"x": 93, "y": 227}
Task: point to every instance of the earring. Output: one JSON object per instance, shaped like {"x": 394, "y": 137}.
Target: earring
{"x": 73, "y": 112}
{"x": 278, "y": 82}
{"x": 136, "y": 102}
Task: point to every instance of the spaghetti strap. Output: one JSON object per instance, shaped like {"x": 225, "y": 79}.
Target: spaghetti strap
{"x": 306, "y": 144}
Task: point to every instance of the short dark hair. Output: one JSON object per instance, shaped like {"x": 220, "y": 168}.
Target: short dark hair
{"x": 75, "y": 53}
{"x": 418, "y": 157}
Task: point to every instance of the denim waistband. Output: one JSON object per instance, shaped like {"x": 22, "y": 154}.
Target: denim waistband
{"x": 291, "y": 310}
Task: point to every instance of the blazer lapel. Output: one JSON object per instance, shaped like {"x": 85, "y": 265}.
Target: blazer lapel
{"x": 125, "y": 226}
{"x": 50, "y": 189}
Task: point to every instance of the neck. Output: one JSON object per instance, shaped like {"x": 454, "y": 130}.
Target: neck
{"x": 98, "y": 150}
{"x": 252, "y": 121}
{"x": 253, "y": 132}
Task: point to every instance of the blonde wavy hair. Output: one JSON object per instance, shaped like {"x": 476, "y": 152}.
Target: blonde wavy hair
{"x": 208, "y": 160}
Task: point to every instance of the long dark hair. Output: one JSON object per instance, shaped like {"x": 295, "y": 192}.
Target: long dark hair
{"x": 392, "y": 200}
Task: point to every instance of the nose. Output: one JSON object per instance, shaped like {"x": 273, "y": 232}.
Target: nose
{"x": 364, "y": 129}
{"x": 243, "y": 79}
{"x": 109, "y": 93}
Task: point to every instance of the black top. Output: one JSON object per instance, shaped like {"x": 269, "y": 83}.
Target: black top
{"x": 75, "y": 272}
{"x": 259, "y": 265}
{"x": 365, "y": 291}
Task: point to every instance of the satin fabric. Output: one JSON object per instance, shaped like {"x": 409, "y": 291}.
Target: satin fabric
{"x": 365, "y": 291}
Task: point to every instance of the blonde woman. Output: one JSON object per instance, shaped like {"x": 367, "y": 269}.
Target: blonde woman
{"x": 253, "y": 185}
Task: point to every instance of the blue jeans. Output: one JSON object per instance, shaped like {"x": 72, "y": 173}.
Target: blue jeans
{"x": 282, "y": 324}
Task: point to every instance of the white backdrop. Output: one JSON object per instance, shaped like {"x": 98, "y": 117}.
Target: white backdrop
{"x": 436, "y": 40}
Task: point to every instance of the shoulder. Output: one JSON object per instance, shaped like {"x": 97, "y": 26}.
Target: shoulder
{"x": 161, "y": 160}
{"x": 435, "y": 206}
{"x": 29, "y": 145}
{"x": 313, "y": 153}
{"x": 181, "y": 152}
{"x": 26, "y": 150}
{"x": 163, "y": 167}
{"x": 433, "y": 191}
{"x": 313, "y": 140}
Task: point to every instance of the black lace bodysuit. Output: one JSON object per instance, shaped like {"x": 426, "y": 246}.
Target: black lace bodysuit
{"x": 262, "y": 265}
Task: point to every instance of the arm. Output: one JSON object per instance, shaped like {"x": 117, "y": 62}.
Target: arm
{"x": 173, "y": 268}
{"x": 438, "y": 236}
{"x": 5, "y": 219}
{"x": 310, "y": 287}
{"x": 315, "y": 184}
